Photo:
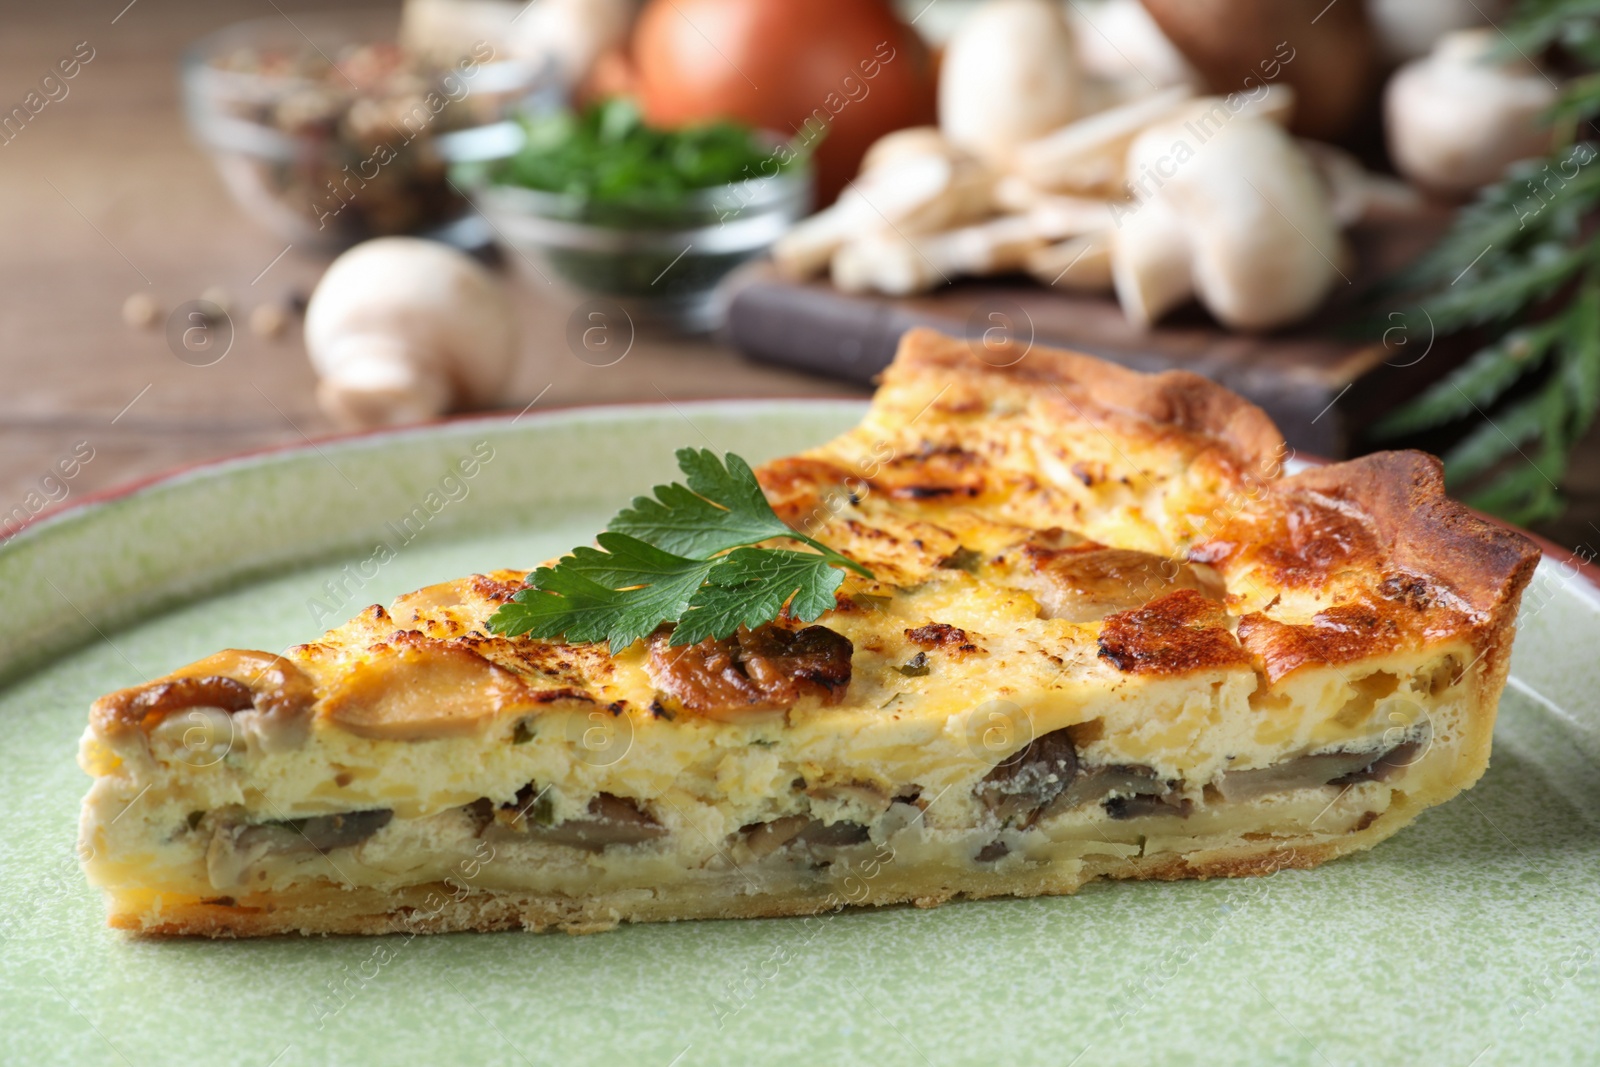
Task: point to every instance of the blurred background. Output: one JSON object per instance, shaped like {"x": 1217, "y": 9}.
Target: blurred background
{"x": 1373, "y": 218}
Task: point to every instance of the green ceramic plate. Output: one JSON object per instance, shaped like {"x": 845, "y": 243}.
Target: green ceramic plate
{"x": 1471, "y": 938}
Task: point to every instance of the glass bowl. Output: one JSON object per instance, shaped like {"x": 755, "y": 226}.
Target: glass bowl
{"x": 662, "y": 268}
{"x": 328, "y": 134}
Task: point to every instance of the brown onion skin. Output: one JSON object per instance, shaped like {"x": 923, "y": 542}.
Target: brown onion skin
{"x": 774, "y": 63}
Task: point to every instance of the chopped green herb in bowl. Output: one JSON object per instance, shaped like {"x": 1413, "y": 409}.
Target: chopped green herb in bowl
{"x": 654, "y": 218}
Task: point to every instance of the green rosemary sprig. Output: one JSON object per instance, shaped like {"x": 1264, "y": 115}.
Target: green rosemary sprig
{"x": 1522, "y": 265}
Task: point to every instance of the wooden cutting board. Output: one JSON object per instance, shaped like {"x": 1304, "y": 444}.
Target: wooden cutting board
{"x": 1322, "y": 385}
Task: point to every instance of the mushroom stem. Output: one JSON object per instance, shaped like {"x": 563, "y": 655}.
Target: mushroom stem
{"x": 378, "y": 379}
{"x": 1150, "y": 263}
{"x": 1082, "y": 264}
{"x": 906, "y": 194}
{"x": 1086, "y": 156}
{"x": 898, "y": 265}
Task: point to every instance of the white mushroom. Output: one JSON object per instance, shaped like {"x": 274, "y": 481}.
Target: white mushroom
{"x": 912, "y": 194}
{"x": 898, "y": 265}
{"x": 1061, "y": 217}
{"x": 444, "y": 31}
{"x": 572, "y": 33}
{"x": 1457, "y": 119}
{"x": 1012, "y": 193}
{"x": 401, "y": 330}
{"x": 1151, "y": 262}
{"x": 1257, "y": 225}
{"x": 1119, "y": 42}
{"x": 1087, "y": 156}
{"x": 1261, "y": 225}
{"x": 1358, "y": 195}
{"x": 1010, "y": 74}
{"x": 890, "y": 194}
{"x": 1082, "y": 264}
{"x": 898, "y": 145}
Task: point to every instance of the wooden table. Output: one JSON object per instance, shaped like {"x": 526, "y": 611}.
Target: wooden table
{"x": 103, "y": 195}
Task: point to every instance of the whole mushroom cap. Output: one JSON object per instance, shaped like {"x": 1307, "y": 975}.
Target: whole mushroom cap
{"x": 1010, "y": 74}
{"x": 401, "y": 329}
{"x": 1247, "y": 207}
{"x": 1458, "y": 118}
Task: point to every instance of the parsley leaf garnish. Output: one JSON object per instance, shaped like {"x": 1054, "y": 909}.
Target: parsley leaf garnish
{"x": 749, "y": 586}
{"x": 722, "y": 507}
{"x": 618, "y": 595}
{"x": 667, "y": 559}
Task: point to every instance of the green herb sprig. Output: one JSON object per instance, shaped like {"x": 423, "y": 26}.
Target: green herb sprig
{"x": 1522, "y": 264}
{"x": 685, "y": 556}
{"x": 623, "y": 171}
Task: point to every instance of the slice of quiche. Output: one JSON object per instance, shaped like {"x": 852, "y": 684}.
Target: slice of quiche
{"x": 1105, "y": 636}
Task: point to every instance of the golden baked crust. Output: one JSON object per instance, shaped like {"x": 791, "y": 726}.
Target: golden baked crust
{"x": 1107, "y": 637}
{"x": 441, "y": 908}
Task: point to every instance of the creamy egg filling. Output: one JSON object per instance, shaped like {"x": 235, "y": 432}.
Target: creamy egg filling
{"x": 1058, "y": 779}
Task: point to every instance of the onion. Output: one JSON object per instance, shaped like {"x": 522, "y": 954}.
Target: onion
{"x": 836, "y": 73}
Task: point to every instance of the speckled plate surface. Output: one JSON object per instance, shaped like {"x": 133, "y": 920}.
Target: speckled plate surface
{"x": 1470, "y": 938}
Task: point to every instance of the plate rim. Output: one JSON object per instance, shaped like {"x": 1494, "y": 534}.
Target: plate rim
{"x": 342, "y": 438}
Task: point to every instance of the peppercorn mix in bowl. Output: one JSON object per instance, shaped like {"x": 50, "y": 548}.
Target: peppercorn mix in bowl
{"x": 328, "y": 132}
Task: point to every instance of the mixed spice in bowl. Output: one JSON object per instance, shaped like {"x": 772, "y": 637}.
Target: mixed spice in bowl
{"x": 338, "y": 134}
